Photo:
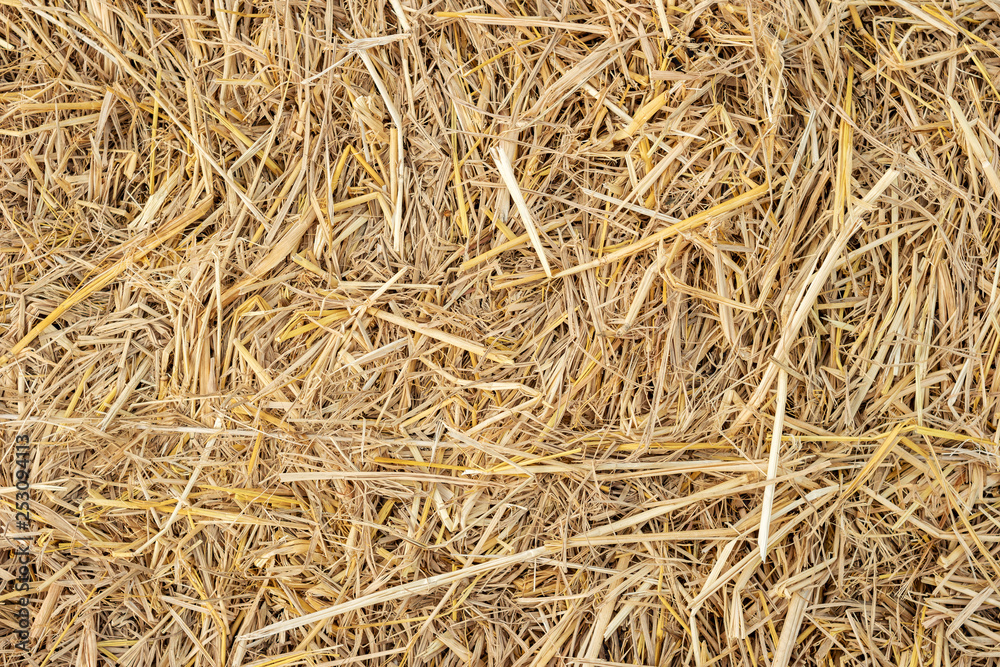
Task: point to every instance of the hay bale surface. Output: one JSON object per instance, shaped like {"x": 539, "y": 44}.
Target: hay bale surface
{"x": 559, "y": 332}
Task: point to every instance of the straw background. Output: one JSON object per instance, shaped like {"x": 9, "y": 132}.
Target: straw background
{"x": 558, "y": 332}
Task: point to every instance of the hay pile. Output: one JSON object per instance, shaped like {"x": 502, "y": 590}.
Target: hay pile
{"x": 559, "y": 332}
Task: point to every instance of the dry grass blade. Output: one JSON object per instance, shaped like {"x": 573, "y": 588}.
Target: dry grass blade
{"x": 510, "y": 180}
{"x": 772, "y": 464}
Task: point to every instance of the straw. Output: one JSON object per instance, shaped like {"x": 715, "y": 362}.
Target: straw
{"x": 501, "y": 334}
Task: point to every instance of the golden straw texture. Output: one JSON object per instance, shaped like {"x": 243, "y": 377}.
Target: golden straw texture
{"x": 586, "y": 333}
